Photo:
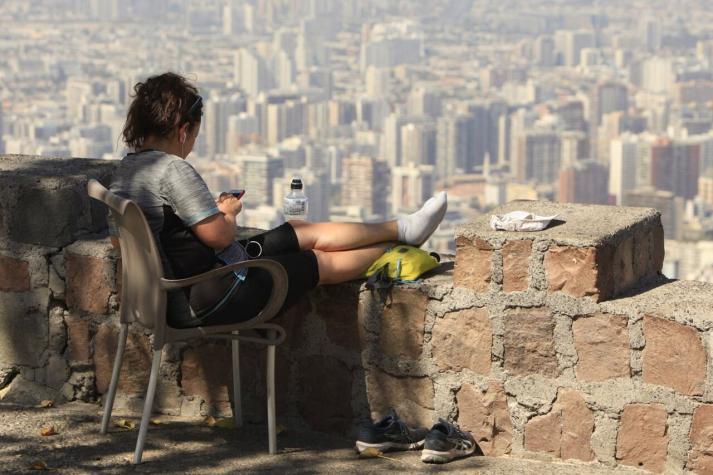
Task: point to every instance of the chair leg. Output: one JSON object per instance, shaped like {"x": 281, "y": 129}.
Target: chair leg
{"x": 237, "y": 395}
{"x": 148, "y": 406}
{"x": 271, "y": 422}
{"x": 118, "y": 359}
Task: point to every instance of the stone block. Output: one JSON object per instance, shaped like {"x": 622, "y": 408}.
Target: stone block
{"x": 566, "y": 431}
{"x": 90, "y": 281}
{"x": 602, "y": 344}
{"x": 56, "y": 190}
{"x": 516, "y": 265}
{"x": 253, "y": 358}
{"x": 572, "y": 270}
{"x": 293, "y": 320}
{"x": 56, "y": 285}
{"x": 411, "y": 397}
{"x": 134, "y": 375}
{"x": 674, "y": 356}
{"x": 27, "y": 393}
{"x": 402, "y": 324}
{"x": 206, "y": 372}
{"x": 78, "y": 347}
{"x": 700, "y": 457}
{"x": 473, "y": 264}
{"x": 463, "y": 339}
{"x": 24, "y": 329}
{"x": 643, "y": 439}
{"x": 648, "y": 251}
{"x": 14, "y": 275}
{"x": 338, "y": 307}
{"x": 485, "y": 414}
{"x": 325, "y": 394}
{"x": 580, "y": 259}
{"x": 529, "y": 343}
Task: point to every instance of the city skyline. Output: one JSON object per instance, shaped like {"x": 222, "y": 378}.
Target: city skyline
{"x": 377, "y": 105}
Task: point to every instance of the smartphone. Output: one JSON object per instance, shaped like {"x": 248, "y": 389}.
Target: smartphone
{"x": 237, "y": 193}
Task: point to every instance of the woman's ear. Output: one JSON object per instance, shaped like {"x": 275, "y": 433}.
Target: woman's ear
{"x": 183, "y": 133}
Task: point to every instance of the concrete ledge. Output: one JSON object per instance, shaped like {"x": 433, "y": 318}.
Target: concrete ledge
{"x": 593, "y": 251}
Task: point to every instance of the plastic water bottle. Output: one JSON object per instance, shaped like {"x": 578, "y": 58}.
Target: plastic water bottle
{"x": 294, "y": 205}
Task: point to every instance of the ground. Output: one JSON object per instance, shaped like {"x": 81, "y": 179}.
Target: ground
{"x": 180, "y": 445}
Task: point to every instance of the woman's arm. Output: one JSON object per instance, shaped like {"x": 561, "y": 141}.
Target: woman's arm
{"x": 218, "y": 231}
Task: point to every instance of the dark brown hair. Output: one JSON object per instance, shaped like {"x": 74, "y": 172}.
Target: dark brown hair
{"x": 160, "y": 105}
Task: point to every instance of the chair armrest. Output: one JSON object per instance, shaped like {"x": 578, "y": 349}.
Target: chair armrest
{"x": 277, "y": 294}
{"x": 270, "y": 266}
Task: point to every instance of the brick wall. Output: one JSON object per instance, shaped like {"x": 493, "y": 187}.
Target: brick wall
{"x": 565, "y": 343}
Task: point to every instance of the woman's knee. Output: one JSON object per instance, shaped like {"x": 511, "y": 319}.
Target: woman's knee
{"x": 325, "y": 264}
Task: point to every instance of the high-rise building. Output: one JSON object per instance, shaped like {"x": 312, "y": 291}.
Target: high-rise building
{"x": 650, "y": 34}
{"x": 544, "y": 52}
{"x": 424, "y": 102}
{"x": 78, "y": 93}
{"x": 453, "y": 144}
{"x": 574, "y": 147}
{"x": 571, "y": 113}
{"x": 572, "y": 42}
{"x": 705, "y": 187}
{"x": 232, "y": 20}
{"x": 418, "y": 144}
{"x": 378, "y": 82}
{"x": 283, "y": 70}
{"x": 365, "y": 183}
{"x": 675, "y": 167}
{"x": 286, "y": 115}
{"x": 372, "y": 111}
{"x": 623, "y": 157}
{"x": 658, "y": 74}
{"x": 480, "y": 113}
{"x": 342, "y": 111}
{"x": 584, "y": 182}
{"x": 242, "y": 129}
{"x": 251, "y": 71}
{"x": 258, "y": 172}
{"x": 391, "y": 146}
{"x": 411, "y": 185}
{"x": 386, "y": 45}
{"x": 670, "y": 206}
{"x": 609, "y": 96}
{"x": 538, "y": 157}
{"x": 217, "y": 109}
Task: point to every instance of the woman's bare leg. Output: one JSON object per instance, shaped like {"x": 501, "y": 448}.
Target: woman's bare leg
{"x": 343, "y": 266}
{"x": 414, "y": 229}
{"x": 342, "y": 236}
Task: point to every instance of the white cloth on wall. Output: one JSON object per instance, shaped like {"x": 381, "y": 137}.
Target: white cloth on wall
{"x": 520, "y": 221}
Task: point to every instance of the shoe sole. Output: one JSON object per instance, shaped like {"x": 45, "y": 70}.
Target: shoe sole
{"x": 385, "y": 446}
{"x": 435, "y": 456}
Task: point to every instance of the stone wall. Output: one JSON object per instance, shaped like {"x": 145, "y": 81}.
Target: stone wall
{"x": 561, "y": 344}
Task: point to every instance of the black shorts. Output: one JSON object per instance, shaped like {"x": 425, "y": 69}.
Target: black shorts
{"x": 280, "y": 245}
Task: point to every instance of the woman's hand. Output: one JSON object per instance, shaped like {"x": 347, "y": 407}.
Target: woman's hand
{"x": 229, "y": 204}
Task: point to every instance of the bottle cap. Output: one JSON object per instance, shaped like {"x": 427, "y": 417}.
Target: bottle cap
{"x": 296, "y": 184}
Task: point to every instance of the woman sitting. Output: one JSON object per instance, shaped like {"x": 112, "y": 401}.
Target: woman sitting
{"x": 197, "y": 233}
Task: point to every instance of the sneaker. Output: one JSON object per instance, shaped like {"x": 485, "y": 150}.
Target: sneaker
{"x": 390, "y": 433}
{"x": 445, "y": 442}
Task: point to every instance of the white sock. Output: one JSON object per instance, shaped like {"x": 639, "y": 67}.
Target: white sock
{"x": 417, "y": 227}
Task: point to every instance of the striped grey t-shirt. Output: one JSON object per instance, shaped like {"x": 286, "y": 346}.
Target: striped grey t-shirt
{"x": 153, "y": 179}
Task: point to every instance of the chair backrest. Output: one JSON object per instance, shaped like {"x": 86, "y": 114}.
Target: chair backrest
{"x": 142, "y": 298}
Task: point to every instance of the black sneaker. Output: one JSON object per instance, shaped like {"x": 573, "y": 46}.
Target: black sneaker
{"x": 390, "y": 433}
{"x": 445, "y": 442}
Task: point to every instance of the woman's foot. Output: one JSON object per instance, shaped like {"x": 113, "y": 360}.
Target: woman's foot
{"x": 416, "y": 228}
